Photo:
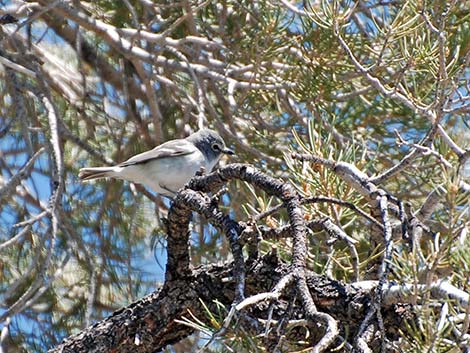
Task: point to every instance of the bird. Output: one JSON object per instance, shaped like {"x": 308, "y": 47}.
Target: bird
{"x": 168, "y": 167}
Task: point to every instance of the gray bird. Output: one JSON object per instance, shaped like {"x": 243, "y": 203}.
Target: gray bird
{"x": 167, "y": 167}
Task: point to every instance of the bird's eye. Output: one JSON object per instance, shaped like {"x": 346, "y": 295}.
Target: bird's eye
{"x": 216, "y": 147}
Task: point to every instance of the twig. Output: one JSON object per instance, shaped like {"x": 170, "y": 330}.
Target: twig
{"x": 275, "y": 294}
{"x": 312, "y": 314}
{"x": 319, "y": 199}
{"x": 250, "y": 301}
{"x": 424, "y": 150}
{"x": 16, "y": 238}
{"x": 16, "y": 179}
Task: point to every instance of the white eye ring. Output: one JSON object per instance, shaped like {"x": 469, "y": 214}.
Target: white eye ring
{"x": 216, "y": 147}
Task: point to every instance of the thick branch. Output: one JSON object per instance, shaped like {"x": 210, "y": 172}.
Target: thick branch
{"x": 148, "y": 325}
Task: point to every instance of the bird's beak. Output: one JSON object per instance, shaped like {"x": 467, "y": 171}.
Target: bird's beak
{"x": 228, "y": 151}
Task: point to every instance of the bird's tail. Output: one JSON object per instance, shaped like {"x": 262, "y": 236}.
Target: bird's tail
{"x": 95, "y": 172}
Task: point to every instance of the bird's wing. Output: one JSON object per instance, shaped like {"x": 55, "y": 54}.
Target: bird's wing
{"x": 171, "y": 148}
